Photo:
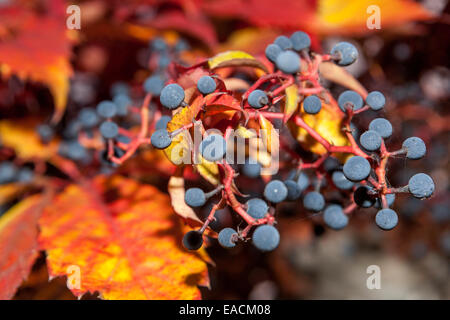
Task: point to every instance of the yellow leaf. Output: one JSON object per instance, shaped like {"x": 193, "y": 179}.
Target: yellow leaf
{"x": 208, "y": 170}
{"x": 245, "y": 133}
{"x": 10, "y": 191}
{"x": 269, "y": 134}
{"x": 181, "y": 145}
{"x": 291, "y": 101}
{"x": 22, "y": 137}
{"x": 328, "y": 123}
{"x": 235, "y": 59}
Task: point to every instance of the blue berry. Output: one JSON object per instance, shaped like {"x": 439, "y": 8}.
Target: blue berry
{"x": 283, "y": 42}
{"x": 206, "y": 85}
{"x": 161, "y": 139}
{"x": 88, "y": 118}
{"x": 335, "y": 217}
{"x": 376, "y": 100}
{"x": 272, "y": 52}
{"x": 386, "y": 219}
{"x": 74, "y": 150}
{"x": 370, "y": 140}
{"x": 163, "y": 62}
{"x": 415, "y": 147}
{"x": 45, "y": 133}
{"x": 314, "y": 201}
{"x": 251, "y": 168}
{"x": 122, "y": 102}
{"x": 106, "y": 109}
{"x": 25, "y": 175}
{"x": 303, "y": 181}
{"x": 390, "y": 198}
{"x": 213, "y": 147}
{"x": 346, "y": 53}
{"x": 421, "y": 185}
{"x": 288, "y": 62}
{"x": 8, "y": 172}
{"x": 351, "y": 98}
{"x": 312, "y": 104}
{"x": 363, "y": 198}
{"x": 172, "y": 96}
{"x": 193, "y": 240}
{"x": 195, "y": 197}
{"x": 154, "y": 85}
{"x": 266, "y": 238}
{"x": 382, "y": 126}
{"x": 331, "y": 164}
{"x": 258, "y": 99}
{"x": 181, "y": 45}
{"x": 227, "y": 237}
{"x": 301, "y": 178}
{"x": 159, "y": 45}
{"x": 275, "y": 191}
{"x": 300, "y": 40}
{"x": 294, "y": 190}
{"x": 72, "y": 129}
{"x": 162, "y": 122}
{"x": 120, "y": 88}
{"x": 109, "y": 130}
{"x": 257, "y": 208}
{"x": 356, "y": 169}
{"x": 340, "y": 181}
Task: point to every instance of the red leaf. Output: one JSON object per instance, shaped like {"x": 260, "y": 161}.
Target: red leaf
{"x": 18, "y": 244}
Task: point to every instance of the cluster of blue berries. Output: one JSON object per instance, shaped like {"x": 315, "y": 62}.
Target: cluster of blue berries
{"x": 9, "y": 173}
{"x": 356, "y": 178}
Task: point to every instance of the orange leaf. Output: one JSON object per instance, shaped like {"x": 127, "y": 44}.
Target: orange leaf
{"x": 18, "y": 244}
{"x": 37, "y": 47}
{"x": 336, "y": 16}
{"x": 125, "y": 239}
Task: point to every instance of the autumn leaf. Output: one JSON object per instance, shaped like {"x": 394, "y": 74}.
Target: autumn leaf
{"x": 291, "y": 101}
{"x": 10, "y": 191}
{"x": 328, "y": 123}
{"x": 177, "y": 191}
{"x": 269, "y": 134}
{"x": 322, "y": 16}
{"x": 21, "y": 136}
{"x": 181, "y": 143}
{"x": 208, "y": 170}
{"x": 18, "y": 244}
{"x": 336, "y": 16}
{"x": 126, "y": 240}
{"x": 337, "y": 74}
{"x": 36, "y": 46}
{"x": 235, "y": 59}
{"x": 191, "y": 23}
